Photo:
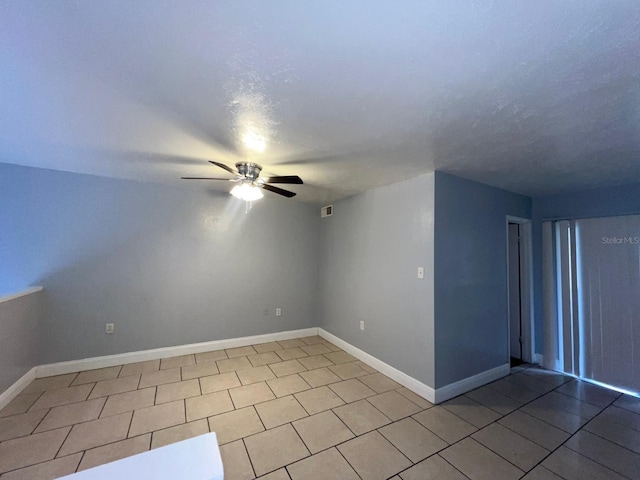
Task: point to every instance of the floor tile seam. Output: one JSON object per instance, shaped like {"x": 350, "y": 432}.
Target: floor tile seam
{"x": 207, "y": 361}
{"x": 597, "y": 461}
{"x": 579, "y": 399}
{"x": 352, "y": 401}
{"x": 355, "y": 436}
{"x": 599, "y": 436}
{"x": 591, "y": 460}
{"x": 303, "y": 407}
{"x": 282, "y": 466}
{"x": 625, "y": 408}
{"x": 135, "y": 373}
{"x": 610, "y": 441}
{"x": 489, "y": 406}
{"x": 52, "y": 407}
{"x": 75, "y": 375}
{"x": 332, "y": 446}
{"x": 503, "y": 458}
{"x": 414, "y": 463}
{"x": 430, "y": 456}
{"x": 470, "y": 434}
{"x": 92, "y": 381}
{"x": 588, "y": 420}
{"x": 351, "y": 430}
{"x": 79, "y": 461}
{"x": 537, "y": 393}
{"x": 541, "y": 420}
{"x": 434, "y": 433}
{"x": 366, "y": 399}
{"x": 549, "y": 452}
{"x": 564, "y": 444}
{"x": 606, "y": 440}
{"x": 37, "y": 463}
{"x": 246, "y": 450}
{"x": 301, "y": 439}
{"x": 634, "y": 414}
{"x": 72, "y": 424}
{"x": 28, "y": 409}
{"x": 467, "y": 421}
{"x": 345, "y": 458}
{"x": 533, "y": 441}
{"x": 36, "y": 427}
{"x": 66, "y": 437}
{"x": 133, "y": 412}
{"x": 105, "y": 445}
{"x": 176, "y": 399}
{"x": 362, "y": 435}
{"x": 520, "y": 409}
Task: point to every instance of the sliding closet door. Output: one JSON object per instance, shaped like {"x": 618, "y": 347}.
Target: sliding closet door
{"x": 607, "y": 252}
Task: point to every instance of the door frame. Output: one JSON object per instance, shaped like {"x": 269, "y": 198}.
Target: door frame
{"x": 526, "y": 289}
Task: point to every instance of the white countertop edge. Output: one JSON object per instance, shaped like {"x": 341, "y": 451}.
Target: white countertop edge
{"x": 21, "y": 293}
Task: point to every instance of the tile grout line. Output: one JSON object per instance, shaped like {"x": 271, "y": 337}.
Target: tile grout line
{"x": 501, "y": 416}
{"x": 478, "y": 429}
{"x": 571, "y": 435}
{"x": 582, "y": 427}
{"x": 253, "y": 468}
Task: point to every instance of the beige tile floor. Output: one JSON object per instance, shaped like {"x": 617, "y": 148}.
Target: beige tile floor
{"x": 304, "y": 409}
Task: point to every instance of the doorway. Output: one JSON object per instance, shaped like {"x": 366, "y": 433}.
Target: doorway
{"x": 519, "y": 281}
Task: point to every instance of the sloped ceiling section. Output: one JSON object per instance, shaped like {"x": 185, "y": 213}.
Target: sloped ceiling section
{"x": 534, "y": 97}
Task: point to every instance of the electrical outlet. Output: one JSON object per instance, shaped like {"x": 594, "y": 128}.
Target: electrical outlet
{"x": 278, "y": 312}
{"x": 109, "y": 327}
{"x": 362, "y": 325}
{"x": 420, "y": 272}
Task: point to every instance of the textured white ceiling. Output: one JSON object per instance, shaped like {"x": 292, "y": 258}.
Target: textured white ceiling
{"x": 534, "y": 97}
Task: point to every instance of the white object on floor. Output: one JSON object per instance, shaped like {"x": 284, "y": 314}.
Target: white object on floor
{"x": 196, "y": 458}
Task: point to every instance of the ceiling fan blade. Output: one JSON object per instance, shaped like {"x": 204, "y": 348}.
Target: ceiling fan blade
{"x": 209, "y": 178}
{"x": 291, "y": 179}
{"x": 279, "y": 191}
{"x": 223, "y": 166}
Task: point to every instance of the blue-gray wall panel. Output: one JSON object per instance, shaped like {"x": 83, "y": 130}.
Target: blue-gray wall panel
{"x": 471, "y": 311}
{"x": 168, "y": 266}
{"x": 372, "y": 247}
{"x": 19, "y": 322}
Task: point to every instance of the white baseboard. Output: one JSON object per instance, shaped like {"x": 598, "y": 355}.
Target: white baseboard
{"x": 157, "y": 353}
{"x": 425, "y": 391}
{"x": 19, "y": 385}
{"x": 466, "y": 384}
{"x": 433, "y": 395}
{"x": 439, "y": 395}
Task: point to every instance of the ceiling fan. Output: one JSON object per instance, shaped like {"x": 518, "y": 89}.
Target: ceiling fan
{"x": 248, "y": 174}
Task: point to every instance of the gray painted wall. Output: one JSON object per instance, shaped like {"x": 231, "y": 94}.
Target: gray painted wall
{"x": 372, "y": 247}
{"x": 168, "y": 266}
{"x": 19, "y": 319}
{"x": 602, "y": 202}
{"x": 471, "y": 303}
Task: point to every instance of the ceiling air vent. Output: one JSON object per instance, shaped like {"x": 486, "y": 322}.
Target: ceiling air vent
{"x": 326, "y": 211}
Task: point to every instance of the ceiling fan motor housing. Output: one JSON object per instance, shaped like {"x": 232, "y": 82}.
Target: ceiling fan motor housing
{"x": 249, "y": 170}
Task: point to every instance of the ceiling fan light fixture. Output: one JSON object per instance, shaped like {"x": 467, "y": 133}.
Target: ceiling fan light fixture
{"x": 247, "y": 192}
